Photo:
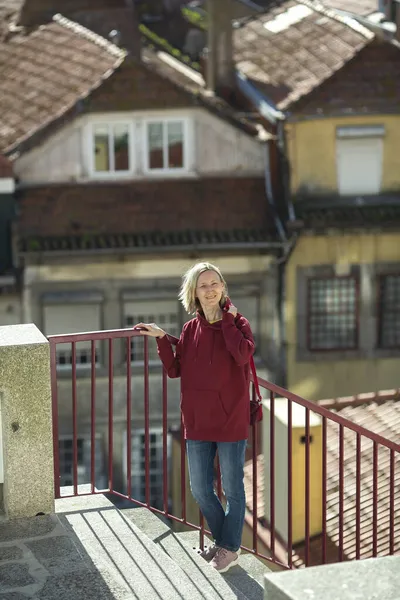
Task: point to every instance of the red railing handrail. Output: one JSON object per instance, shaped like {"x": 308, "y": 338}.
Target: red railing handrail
{"x": 272, "y": 387}
{"x": 325, "y": 412}
{"x": 274, "y": 392}
{"x": 89, "y": 336}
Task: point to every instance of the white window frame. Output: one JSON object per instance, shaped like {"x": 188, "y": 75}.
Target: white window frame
{"x": 187, "y": 144}
{"x": 90, "y": 133}
{"x": 367, "y": 132}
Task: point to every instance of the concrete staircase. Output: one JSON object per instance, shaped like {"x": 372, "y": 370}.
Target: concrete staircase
{"x": 139, "y": 557}
{"x": 91, "y": 550}
{"x": 243, "y": 582}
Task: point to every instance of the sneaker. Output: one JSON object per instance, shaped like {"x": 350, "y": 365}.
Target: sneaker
{"x": 209, "y": 552}
{"x": 225, "y": 559}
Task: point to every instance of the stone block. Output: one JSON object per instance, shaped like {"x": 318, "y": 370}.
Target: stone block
{"x": 25, "y": 395}
{"x": 370, "y": 579}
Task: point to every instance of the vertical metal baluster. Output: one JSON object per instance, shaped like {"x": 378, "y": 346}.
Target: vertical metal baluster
{"x": 290, "y": 485}
{"x": 341, "y": 490}
{"x": 358, "y": 497}
{"x": 54, "y": 396}
{"x": 375, "y": 502}
{"x": 307, "y": 489}
{"x": 255, "y": 472}
{"x": 110, "y": 413}
{"x": 74, "y": 420}
{"x": 129, "y": 416}
{"x": 165, "y": 440}
{"x": 324, "y": 483}
{"x": 391, "y": 509}
{"x": 146, "y": 420}
{"x": 93, "y": 417}
{"x": 272, "y": 470}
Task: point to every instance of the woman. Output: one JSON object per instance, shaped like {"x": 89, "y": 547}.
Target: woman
{"x": 212, "y": 359}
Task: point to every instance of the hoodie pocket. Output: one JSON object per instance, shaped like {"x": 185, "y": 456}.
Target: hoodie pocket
{"x": 203, "y": 410}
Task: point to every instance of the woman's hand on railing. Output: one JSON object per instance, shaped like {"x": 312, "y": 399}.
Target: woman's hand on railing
{"x": 150, "y": 329}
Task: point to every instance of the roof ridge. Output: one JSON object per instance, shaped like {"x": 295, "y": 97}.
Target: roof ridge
{"x": 317, "y": 6}
{"x": 89, "y": 35}
{"x": 379, "y": 397}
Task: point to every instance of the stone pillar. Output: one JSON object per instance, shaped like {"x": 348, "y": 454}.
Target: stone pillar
{"x": 25, "y": 396}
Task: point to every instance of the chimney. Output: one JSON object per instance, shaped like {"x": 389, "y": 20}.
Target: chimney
{"x": 220, "y": 66}
{"x": 298, "y": 474}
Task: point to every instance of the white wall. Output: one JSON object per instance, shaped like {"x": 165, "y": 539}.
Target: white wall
{"x": 216, "y": 148}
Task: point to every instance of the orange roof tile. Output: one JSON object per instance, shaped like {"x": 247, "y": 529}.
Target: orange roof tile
{"x": 380, "y": 414}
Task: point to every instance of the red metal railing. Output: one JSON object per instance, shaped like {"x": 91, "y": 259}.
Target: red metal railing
{"x": 350, "y": 476}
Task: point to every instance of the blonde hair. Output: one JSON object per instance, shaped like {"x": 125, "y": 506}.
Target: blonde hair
{"x": 187, "y": 294}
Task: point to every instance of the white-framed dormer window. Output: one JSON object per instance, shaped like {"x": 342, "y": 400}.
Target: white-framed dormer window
{"x": 166, "y": 145}
{"x": 111, "y": 147}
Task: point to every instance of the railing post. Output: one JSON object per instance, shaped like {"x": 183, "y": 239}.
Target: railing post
{"x": 27, "y": 421}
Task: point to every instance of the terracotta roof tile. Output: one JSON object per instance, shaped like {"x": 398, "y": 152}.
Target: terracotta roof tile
{"x": 298, "y": 58}
{"x": 381, "y": 417}
{"x": 45, "y": 73}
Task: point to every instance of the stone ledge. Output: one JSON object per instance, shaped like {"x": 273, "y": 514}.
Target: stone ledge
{"x": 370, "y": 579}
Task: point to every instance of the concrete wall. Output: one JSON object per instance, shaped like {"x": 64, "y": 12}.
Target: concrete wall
{"x": 331, "y": 374}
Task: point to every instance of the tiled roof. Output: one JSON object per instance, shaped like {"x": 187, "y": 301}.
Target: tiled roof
{"x": 157, "y": 240}
{"x": 369, "y": 83}
{"x": 47, "y": 75}
{"x": 44, "y": 74}
{"x": 379, "y": 212}
{"x": 288, "y": 62}
{"x": 380, "y": 414}
{"x": 358, "y": 7}
{"x": 145, "y": 213}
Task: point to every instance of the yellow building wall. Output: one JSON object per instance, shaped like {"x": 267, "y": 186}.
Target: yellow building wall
{"x": 316, "y": 380}
{"x": 312, "y": 151}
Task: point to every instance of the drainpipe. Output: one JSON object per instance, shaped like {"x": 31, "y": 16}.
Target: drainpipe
{"x": 289, "y": 247}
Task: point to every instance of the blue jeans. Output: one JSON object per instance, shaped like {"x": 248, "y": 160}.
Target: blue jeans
{"x": 226, "y": 526}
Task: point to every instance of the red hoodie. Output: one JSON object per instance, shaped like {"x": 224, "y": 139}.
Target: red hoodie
{"x": 212, "y": 360}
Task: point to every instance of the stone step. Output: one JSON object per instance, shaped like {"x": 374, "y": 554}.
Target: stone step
{"x": 247, "y": 576}
{"x": 237, "y": 584}
{"x": 133, "y": 566}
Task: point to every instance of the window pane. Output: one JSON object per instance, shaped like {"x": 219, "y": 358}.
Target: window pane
{"x": 121, "y": 147}
{"x": 332, "y": 316}
{"x": 164, "y": 313}
{"x": 155, "y": 143}
{"x": 389, "y": 312}
{"x": 175, "y": 145}
{"x": 101, "y": 148}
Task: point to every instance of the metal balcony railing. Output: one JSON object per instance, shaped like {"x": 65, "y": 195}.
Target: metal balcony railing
{"x": 297, "y": 481}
